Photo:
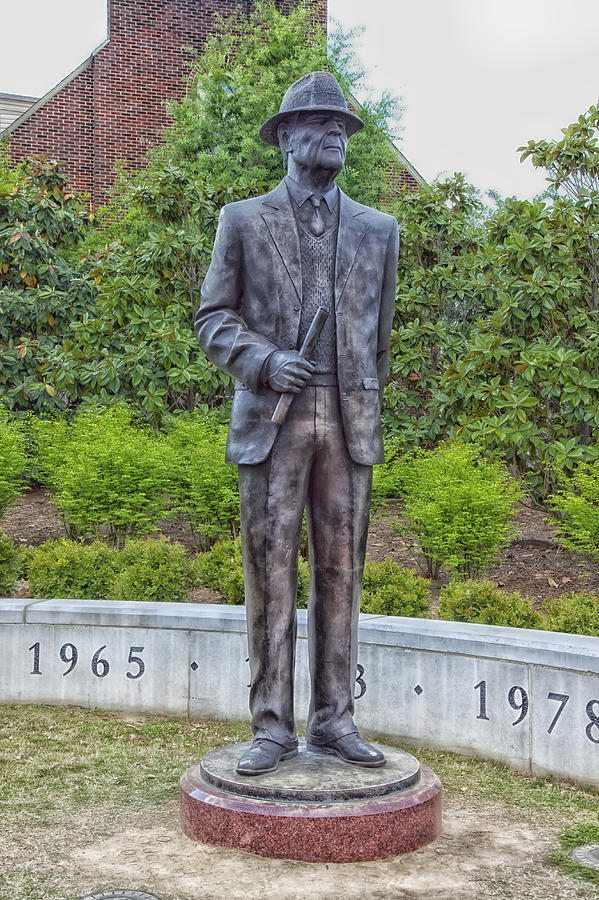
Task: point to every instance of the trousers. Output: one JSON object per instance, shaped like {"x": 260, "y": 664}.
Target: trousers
{"x": 309, "y": 468}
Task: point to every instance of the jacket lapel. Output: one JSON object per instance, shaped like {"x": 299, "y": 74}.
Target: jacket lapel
{"x": 353, "y": 225}
{"x": 280, "y": 221}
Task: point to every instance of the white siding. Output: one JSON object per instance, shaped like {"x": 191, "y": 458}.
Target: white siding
{"x": 11, "y": 107}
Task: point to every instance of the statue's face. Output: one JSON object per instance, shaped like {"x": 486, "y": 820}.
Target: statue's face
{"x": 318, "y": 140}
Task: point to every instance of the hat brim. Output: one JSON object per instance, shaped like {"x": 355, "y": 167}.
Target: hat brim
{"x": 268, "y": 132}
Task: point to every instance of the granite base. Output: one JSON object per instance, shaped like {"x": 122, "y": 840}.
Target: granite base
{"x": 338, "y": 830}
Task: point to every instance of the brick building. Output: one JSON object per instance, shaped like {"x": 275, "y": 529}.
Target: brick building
{"x": 112, "y": 107}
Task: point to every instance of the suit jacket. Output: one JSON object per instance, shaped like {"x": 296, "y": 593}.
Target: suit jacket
{"x": 251, "y": 306}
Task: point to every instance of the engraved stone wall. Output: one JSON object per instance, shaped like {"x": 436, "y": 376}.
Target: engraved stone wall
{"x": 527, "y": 698}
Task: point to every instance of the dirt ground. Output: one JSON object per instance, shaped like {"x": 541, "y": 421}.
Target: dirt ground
{"x": 484, "y": 851}
{"x": 533, "y": 564}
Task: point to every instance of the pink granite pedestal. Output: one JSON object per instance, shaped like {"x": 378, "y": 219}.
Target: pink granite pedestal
{"x": 329, "y": 818}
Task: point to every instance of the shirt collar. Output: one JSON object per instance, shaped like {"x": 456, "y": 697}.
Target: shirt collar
{"x": 300, "y": 194}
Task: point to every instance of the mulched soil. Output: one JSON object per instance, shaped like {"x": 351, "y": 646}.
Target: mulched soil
{"x": 533, "y": 564}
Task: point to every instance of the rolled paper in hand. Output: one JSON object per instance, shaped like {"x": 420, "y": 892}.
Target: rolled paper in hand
{"x": 306, "y": 350}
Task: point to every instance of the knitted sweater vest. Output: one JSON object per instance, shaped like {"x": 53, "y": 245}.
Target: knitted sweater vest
{"x": 318, "y": 256}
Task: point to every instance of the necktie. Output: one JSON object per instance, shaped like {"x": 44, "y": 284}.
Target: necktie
{"x": 317, "y": 226}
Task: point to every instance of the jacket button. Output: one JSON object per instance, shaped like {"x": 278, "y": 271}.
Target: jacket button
{"x": 292, "y": 346}
{"x": 296, "y": 308}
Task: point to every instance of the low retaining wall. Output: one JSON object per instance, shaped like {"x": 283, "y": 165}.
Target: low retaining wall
{"x": 527, "y": 698}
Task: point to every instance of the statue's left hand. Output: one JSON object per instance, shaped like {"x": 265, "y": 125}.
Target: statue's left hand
{"x": 288, "y": 371}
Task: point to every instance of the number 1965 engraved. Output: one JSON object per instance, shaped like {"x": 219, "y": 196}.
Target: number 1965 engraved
{"x": 100, "y": 666}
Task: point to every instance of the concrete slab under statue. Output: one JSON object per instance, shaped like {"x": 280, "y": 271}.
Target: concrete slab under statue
{"x": 297, "y": 306}
{"x": 314, "y": 808}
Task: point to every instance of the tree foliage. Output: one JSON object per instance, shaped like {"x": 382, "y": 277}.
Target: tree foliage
{"x": 239, "y": 81}
{"x": 139, "y": 345}
{"x": 149, "y": 260}
{"x": 497, "y": 331}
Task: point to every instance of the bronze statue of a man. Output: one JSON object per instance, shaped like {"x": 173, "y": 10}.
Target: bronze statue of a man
{"x": 277, "y": 260}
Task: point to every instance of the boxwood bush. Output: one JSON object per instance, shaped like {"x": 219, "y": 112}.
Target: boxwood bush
{"x": 152, "y": 570}
{"x": 389, "y": 589}
{"x": 573, "y": 613}
{"x": 202, "y": 486}
{"x": 62, "y": 568}
{"x": 483, "y": 603}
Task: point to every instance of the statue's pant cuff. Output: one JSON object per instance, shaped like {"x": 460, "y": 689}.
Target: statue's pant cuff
{"x": 334, "y": 734}
{"x": 286, "y": 742}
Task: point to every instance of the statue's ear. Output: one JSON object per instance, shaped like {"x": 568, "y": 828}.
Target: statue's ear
{"x": 284, "y": 136}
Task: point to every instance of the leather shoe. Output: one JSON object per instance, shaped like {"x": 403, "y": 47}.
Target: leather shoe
{"x": 351, "y": 748}
{"x": 262, "y": 757}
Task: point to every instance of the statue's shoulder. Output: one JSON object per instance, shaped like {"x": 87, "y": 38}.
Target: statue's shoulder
{"x": 243, "y": 209}
{"x": 374, "y": 217}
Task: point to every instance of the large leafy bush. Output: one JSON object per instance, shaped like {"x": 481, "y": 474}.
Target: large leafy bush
{"x": 497, "y": 330}
{"x": 43, "y": 291}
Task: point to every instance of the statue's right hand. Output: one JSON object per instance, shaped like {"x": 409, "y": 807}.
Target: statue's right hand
{"x": 288, "y": 371}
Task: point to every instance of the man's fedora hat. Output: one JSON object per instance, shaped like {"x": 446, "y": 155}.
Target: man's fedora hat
{"x": 316, "y": 92}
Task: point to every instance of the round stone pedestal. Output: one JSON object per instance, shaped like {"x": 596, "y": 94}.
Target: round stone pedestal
{"x": 314, "y": 807}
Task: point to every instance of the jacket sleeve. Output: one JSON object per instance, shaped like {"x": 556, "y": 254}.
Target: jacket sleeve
{"x": 387, "y": 305}
{"x": 221, "y": 331}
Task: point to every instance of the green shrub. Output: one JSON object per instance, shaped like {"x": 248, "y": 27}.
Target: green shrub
{"x": 12, "y": 462}
{"x": 482, "y": 603}
{"x": 303, "y": 582}
{"x": 9, "y": 565}
{"x": 390, "y": 590}
{"x": 577, "y": 503}
{"x": 70, "y": 569}
{"x": 574, "y": 613}
{"x": 204, "y": 489}
{"x": 388, "y": 479}
{"x": 220, "y": 569}
{"x": 24, "y": 557}
{"x": 152, "y": 570}
{"x": 458, "y": 506}
{"x": 109, "y": 476}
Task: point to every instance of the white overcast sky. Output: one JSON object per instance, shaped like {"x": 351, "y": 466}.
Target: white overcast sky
{"x": 478, "y": 77}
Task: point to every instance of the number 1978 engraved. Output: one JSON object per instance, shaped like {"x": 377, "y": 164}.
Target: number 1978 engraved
{"x": 518, "y": 699}
{"x": 562, "y": 700}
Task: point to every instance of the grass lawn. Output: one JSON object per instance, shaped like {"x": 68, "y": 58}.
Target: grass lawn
{"x": 70, "y": 776}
